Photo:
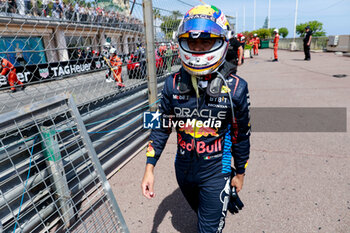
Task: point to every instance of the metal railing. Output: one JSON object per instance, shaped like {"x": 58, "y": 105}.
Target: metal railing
{"x": 115, "y": 129}
{"x": 48, "y": 181}
{"x": 51, "y": 175}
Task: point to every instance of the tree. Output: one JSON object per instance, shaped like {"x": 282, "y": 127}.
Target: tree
{"x": 266, "y": 23}
{"x": 284, "y": 32}
{"x": 176, "y": 14}
{"x": 169, "y": 25}
{"x": 156, "y": 15}
{"x": 315, "y": 26}
{"x": 263, "y": 33}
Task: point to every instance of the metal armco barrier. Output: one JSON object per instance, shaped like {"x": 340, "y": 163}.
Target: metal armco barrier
{"x": 51, "y": 177}
{"x": 115, "y": 128}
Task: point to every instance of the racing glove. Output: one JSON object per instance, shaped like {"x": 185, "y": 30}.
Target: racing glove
{"x": 235, "y": 204}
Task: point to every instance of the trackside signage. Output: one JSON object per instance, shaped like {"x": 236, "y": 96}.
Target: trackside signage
{"x": 54, "y": 70}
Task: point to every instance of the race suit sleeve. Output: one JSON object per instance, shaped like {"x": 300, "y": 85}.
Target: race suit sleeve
{"x": 241, "y": 130}
{"x": 159, "y": 137}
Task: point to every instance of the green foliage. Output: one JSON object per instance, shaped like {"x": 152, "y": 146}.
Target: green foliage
{"x": 169, "y": 35}
{"x": 50, "y": 6}
{"x": 248, "y": 35}
{"x": 169, "y": 25}
{"x": 315, "y": 26}
{"x": 283, "y": 31}
{"x": 40, "y": 4}
{"x": 176, "y": 14}
{"x": 248, "y": 47}
{"x": 263, "y": 33}
{"x": 156, "y": 13}
{"x": 266, "y": 22}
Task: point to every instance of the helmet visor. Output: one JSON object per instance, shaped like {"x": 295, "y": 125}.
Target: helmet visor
{"x": 201, "y": 25}
{"x": 191, "y": 45}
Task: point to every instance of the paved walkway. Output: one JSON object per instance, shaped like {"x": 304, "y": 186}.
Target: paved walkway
{"x": 295, "y": 182}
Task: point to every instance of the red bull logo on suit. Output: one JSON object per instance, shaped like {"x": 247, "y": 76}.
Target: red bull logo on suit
{"x": 200, "y": 146}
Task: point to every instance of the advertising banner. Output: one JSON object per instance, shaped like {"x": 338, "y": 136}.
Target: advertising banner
{"x": 56, "y": 70}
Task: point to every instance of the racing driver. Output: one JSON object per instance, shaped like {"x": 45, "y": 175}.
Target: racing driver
{"x": 211, "y": 107}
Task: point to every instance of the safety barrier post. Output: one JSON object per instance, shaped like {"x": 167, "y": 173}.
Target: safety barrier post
{"x": 54, "y": 162}
{"x": 96, "y": 163}
{"x": 151, "y": 60}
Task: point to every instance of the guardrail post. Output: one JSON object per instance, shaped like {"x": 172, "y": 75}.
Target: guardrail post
{"x": 54, "y": 162}
{"x": 96, "y": 163}
{"x": 151, "y": 60}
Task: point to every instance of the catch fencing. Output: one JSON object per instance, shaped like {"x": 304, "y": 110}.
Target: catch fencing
{"x": 54, "y": 179}
{"x": 116, "y": 133}
{"x": 70, "y": 51}
{"x": 48, "y": 177}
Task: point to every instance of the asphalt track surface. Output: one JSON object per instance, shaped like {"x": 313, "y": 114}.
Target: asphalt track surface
{"x": 295, "y": 182}
{"x": 85, "y": 88}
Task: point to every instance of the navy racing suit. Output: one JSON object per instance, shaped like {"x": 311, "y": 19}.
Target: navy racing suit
{"x": 207, "y": 139}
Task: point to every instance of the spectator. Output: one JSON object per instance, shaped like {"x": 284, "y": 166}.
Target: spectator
{"x": 70, "y": 12}
{"x": 94, "y": 15}
{"x": 45, "y": 8}
{"x": 3, "y": 6}
{"x": 12, "y": 6}
{"x": 27, "y": 7}
{"x": 82, "y": 13}
{"x": 99, "y": 15}
{"x": 77, "y": 54}
{"x": 88, "y": 52}
{"x": 89, "y": 15}
{"x": 57, "y": 10}
{"x": 34, "y": 7}
{"x": 76, "y": 11}
{"x": 65, "y": 9}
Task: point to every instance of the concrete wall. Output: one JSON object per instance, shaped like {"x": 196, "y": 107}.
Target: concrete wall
{"x": 317, "y": 43}
{"x": 342, "y": 46}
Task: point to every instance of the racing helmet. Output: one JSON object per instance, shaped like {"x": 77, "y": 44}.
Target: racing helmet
{"x": 203, "y": 21}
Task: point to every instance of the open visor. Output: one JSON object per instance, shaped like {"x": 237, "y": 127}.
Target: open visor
{"x": 201, "y": 25}
{"x": 219, "y": 42}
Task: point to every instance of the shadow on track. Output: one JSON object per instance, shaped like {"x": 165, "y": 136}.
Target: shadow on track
{"x": 183, "y": 218}
{"x": 298, "y": 59}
